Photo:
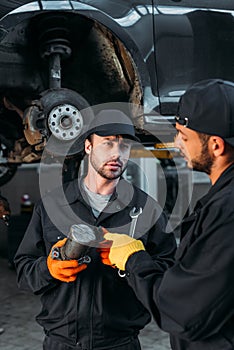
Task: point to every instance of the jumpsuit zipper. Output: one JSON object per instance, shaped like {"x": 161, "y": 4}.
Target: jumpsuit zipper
{"x": 91, "y": 318}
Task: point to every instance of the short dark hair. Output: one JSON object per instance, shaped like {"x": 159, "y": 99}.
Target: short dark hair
{"x": 229, "y": 149}
{"x": 204, "y": 138}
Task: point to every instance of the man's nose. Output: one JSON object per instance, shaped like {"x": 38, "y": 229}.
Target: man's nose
{"x": 116, "y": 151}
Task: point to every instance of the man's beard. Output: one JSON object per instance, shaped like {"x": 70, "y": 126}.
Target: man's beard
{"x": 107, "y": 174}
{"x": 206, "y": 161}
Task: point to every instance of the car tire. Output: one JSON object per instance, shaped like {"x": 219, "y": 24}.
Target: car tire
{"x": 7, "y": 171}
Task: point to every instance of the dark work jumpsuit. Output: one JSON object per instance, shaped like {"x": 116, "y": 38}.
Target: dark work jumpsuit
{"x": 99, "y": 310}
{"x": 195, "y": 298}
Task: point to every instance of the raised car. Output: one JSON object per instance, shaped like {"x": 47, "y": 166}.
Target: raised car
{"x": 58, "y": 57}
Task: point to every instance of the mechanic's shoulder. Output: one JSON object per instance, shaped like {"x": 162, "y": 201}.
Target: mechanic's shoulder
{"x": 222, "y": 201}
{"x": 65, "y": 188}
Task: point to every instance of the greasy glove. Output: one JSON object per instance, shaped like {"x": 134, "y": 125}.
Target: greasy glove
{"x": 122, "y": 248}
{"x": 63, "y": 270}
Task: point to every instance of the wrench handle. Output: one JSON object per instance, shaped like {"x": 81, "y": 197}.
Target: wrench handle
{"x": 133, "y": 227}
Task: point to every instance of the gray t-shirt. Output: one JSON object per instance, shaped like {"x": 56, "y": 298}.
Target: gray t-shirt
{"x": 97, "y": 201}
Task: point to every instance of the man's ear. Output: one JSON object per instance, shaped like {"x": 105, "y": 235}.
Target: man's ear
{"x": 218, "y": 145}
{"x": 88, "y": 146}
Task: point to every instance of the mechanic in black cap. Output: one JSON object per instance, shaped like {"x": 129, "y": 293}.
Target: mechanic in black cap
{"x": 91, "y": 306}
{"x": 112, "y": 122}
{"x": 195, "y": 299}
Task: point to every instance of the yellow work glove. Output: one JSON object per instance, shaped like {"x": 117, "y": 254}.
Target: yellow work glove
{"x": 122, "y": 247}
{"x": 63, "y": 270}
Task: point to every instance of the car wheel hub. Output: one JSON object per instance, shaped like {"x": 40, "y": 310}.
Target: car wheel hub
{"x": 65, "y": 122}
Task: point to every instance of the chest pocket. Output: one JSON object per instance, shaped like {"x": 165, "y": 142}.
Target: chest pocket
{"x": 52, "y": 234}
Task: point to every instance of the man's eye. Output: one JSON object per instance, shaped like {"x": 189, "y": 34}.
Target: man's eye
{"x": 108, "y": 143}
{"x": 125, "y": 146}
{"x": 184, "y": 138}
{"x": 178, "y": 136}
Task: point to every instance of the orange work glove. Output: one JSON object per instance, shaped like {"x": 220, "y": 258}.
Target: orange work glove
{"x": 64, "y": 270}
{"x": 104, "y": 250}
{"x": 104, "y": 254}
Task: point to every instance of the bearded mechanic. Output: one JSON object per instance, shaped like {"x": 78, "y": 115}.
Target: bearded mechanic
{"x": 195, "y": 297}
{"x": 90, "y": 307}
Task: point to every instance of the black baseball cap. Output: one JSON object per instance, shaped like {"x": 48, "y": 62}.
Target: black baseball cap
{"x": 109, "y": 122}
{"x": 208, "y": 107}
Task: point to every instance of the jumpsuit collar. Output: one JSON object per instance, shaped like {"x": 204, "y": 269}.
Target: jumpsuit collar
{"x": 222, "y": 181}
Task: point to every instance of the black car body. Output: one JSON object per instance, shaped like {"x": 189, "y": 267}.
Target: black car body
{"x": 90, "y": 52}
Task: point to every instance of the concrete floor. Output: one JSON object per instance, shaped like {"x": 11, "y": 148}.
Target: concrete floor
{"x": 18, "y": 309}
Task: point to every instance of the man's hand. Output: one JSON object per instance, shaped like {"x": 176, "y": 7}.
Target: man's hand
{"x": 63, "y": 270}
{"x": 121, "y": 248}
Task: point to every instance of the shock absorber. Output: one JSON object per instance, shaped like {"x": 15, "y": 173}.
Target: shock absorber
{"x": 54, "y": 46}
{"x": 78, "y": 243}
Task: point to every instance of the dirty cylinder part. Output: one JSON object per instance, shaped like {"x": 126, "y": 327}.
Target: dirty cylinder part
{"x": 79, "y": 239}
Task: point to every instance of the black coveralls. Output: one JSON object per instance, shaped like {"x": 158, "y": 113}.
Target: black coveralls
{"x": 99, "y": 310}
{"x": 196, "y": 296}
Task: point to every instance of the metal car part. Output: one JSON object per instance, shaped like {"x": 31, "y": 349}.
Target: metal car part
{"x": 144, "y": 52}
{"x": 65, "y": 122}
